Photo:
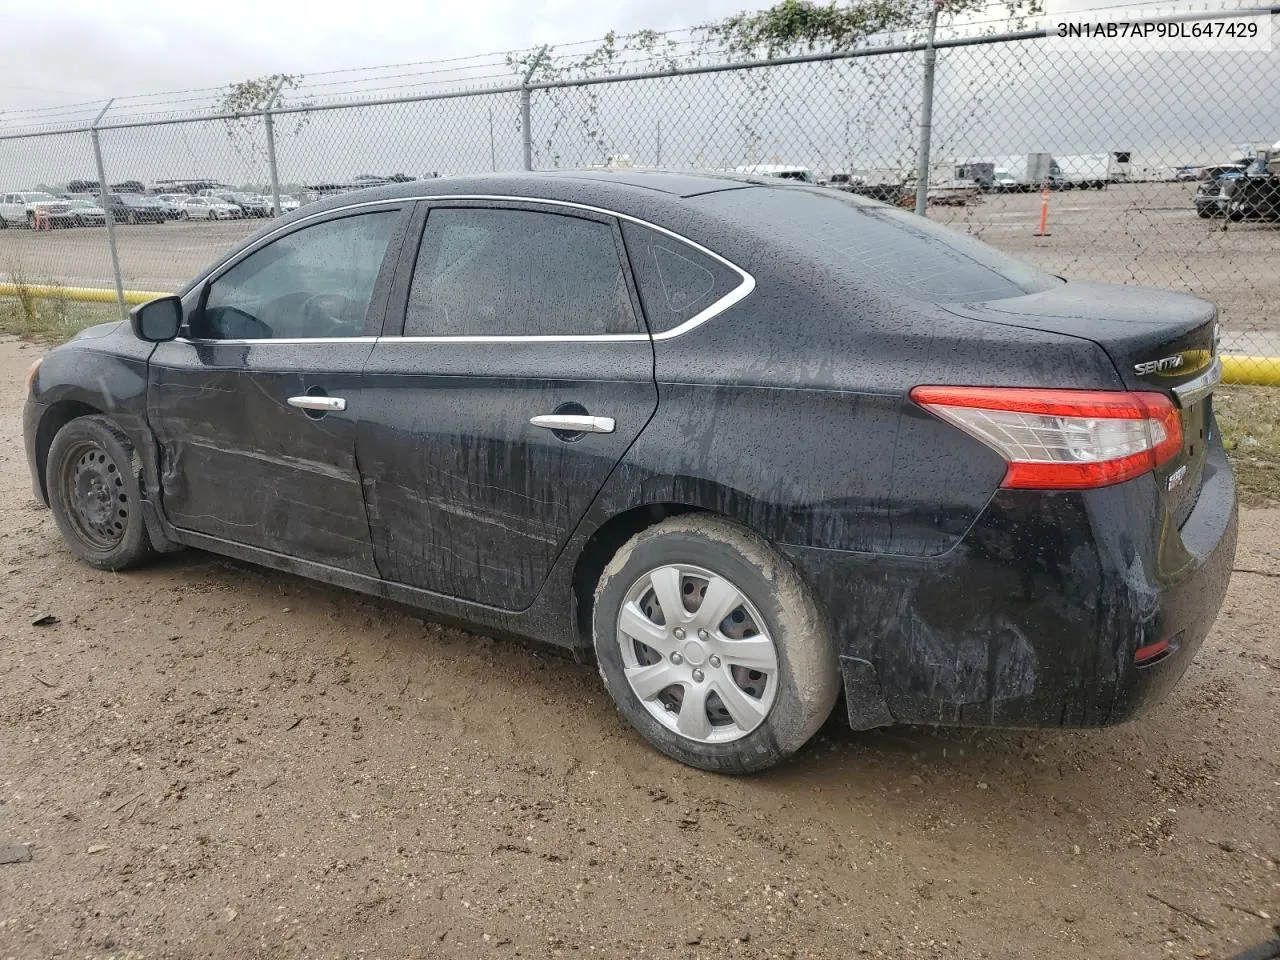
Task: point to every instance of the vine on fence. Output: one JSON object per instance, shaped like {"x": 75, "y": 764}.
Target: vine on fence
{"x": 247, "y": 100}
{"x": 788, "y": 28}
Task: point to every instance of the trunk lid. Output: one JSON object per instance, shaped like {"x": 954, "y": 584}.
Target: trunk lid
{"x": 1157, "y": 340}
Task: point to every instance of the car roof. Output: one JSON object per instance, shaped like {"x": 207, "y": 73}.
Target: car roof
{"x": 607, "y": 187}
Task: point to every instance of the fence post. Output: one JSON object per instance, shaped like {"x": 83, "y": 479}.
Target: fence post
{"x": 268, "y": 120}
{"x": 106, "y": 206}
{"x": 926, "y": 114}
{"x": 526, "y": 133}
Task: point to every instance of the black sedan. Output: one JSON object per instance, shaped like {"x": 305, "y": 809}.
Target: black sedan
{"x": 136, "y": 208}
{"x": 748, "y": 444}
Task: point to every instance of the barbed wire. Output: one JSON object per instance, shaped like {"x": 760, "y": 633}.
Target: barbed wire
{"x": 686, "y": 46}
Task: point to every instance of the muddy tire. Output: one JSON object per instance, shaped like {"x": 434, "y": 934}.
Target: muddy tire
{"x": 743, "y": 672}
{"x": 92, "y": 479}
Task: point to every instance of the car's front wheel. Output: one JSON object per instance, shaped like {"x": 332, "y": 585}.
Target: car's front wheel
{"x": 712, "y": 646}
{"x": 94, "y": 495}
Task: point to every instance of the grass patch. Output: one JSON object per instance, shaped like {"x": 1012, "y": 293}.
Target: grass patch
{"x": 1250, "y": 421}
{"x": 51, "y": 320}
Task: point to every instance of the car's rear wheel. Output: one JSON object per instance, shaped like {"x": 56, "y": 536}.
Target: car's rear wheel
{"x": 94, "y": 495}
{"x": 712, "y": 646}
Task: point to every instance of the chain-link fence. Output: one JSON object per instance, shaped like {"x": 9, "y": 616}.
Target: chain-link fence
{"x": 1161, "y": 167}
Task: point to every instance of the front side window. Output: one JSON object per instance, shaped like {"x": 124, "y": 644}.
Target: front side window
{"x": 313, "y": 283}
{"x": 487, "y": 272}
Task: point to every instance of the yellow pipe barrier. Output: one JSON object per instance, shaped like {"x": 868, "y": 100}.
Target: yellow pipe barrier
{"x": 1246, "y": 371}
{"x": 84, "y": 294}
{"x": 1251, "y": 371}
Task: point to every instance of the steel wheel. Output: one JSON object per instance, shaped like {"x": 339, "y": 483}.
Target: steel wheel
{"x": 94, "y": 489}
{"x": 697, "y": 654}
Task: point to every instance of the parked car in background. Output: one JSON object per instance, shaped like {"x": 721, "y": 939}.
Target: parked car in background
{"x": 780, "y": 171}
{"x": 1209, "y": 198}
{"x": 172, "y": 203}
{"x": 1185, "y": 174}
{"x": 136, "y": 208}
{"x": 87, "y": 213}
{"x": 1002, "y": 181}
{"x": 1253, "y": 193}
{"x": 288, "y": 204}
{"x": 539, "y": 427}
{"x": 210, "y": 208}
{"x": 252, "y": 204}
{"x": 21, "y": 209}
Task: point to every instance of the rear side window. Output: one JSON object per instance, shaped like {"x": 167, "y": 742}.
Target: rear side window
{"x": 517, "y": 273}
{"x": 881, "y": 246}
{"x": 676, "y": 281}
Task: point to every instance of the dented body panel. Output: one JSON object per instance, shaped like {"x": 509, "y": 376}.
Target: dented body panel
{"x": 953, "y": 601}
{"x": 238, "y": 463}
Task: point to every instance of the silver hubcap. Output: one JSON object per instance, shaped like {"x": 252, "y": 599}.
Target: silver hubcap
{"x": 697, "y": 654}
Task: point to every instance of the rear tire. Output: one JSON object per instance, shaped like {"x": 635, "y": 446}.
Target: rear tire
{"x": 93, "y": 489}
{"x": 746, "y": 690}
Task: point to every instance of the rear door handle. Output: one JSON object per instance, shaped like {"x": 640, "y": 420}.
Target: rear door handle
{"x": 326, "y": 404}
{"x": 571, "y": 423}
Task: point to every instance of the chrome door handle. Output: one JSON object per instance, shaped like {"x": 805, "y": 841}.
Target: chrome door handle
{"x": 574, "y": 424}
{"x": 318, "y": 403}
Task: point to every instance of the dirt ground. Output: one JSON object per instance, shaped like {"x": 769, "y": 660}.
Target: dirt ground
{"x": 207, "y": 759}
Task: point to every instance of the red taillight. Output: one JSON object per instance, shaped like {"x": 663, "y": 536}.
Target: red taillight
{"x": 1063, "y": 439}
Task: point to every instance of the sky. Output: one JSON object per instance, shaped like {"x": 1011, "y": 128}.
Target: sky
{"x": 86, "y": 49}
{"x": 861, "y": 114}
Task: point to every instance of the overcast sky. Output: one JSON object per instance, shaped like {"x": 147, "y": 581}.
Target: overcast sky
{"x": 77, "y": 50}
{"x": 85, "y": 49}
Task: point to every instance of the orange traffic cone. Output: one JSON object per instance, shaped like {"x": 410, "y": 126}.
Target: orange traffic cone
{"x": 1044, "y": 213}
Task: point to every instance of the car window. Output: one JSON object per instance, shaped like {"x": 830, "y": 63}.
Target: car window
{"x": 676, "y": 281}
{"x": 880, "y": 246}
{"x": 486, "y": 272}
{"x": 313, "y": 283}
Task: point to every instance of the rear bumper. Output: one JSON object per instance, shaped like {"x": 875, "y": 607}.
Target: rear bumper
{"x": 1035, "y": 617}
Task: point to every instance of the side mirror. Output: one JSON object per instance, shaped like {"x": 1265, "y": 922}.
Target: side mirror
{"x": 157, "y": 320}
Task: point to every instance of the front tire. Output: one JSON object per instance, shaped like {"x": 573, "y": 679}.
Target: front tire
{"x": 733, "y": 687}
{"x": 94, "y": 495}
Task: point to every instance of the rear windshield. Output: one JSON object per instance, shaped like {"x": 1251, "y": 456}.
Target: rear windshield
{"x": 884, "y": 247}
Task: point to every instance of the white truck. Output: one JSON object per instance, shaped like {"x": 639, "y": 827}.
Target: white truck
{"x": 1096, "y": 170}
{"x": 1010, "y": 173}
{"x": 21, "y": 209}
